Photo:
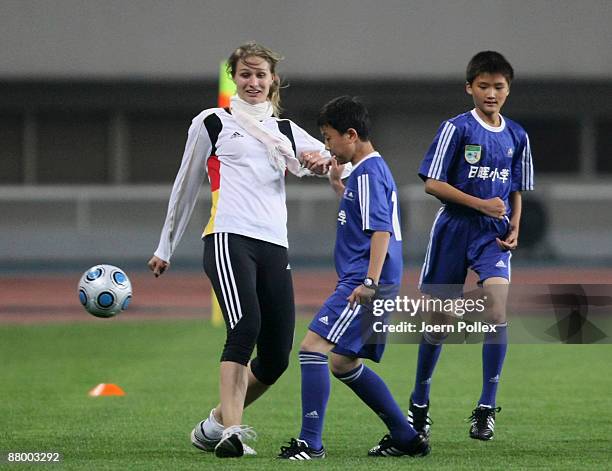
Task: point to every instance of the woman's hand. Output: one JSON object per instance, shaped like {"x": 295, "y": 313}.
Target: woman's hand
{"x": 315, "y": 162}
{"x": 157, "y": 265}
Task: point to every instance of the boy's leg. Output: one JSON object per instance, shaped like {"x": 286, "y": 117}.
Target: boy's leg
{"x": 482, "y": 420}
{"x": 430, "y": 348}
{"x": 334, "y": 316}
{"x": 315, "y": 387}
{"x": 429, "y": 352}
{"x": 495, "y": 343}
{"x": 353, "y": 342}
{"x": 492, "y": 264}
{"x": 442, "y": 276}
{"x": 373, "y": 391}
{"x": 315, "y": 394}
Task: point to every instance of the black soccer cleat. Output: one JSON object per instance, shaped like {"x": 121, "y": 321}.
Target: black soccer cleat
{"x": 231, "y": 445}
{"x": 299, "y": 450}
{"x": 419, "y": 418}
{"x": 482, "y": 422}
{"x": 418, "y": 446}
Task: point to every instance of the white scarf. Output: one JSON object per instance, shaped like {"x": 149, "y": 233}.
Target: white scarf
{"x": 280, "y": 151}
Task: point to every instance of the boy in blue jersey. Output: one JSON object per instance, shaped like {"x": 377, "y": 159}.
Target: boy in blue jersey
{"x": 477, "y": 166}
{"x": 368, "y": 258}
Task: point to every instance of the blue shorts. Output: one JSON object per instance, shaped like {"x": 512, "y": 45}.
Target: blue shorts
{"x": 351, "y": 329}
{"x": 462, "y": 239}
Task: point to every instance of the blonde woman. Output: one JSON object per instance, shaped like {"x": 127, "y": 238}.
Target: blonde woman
{"x": 246, "y": 151}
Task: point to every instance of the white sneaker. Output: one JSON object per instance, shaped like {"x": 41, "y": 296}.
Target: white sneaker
{"x": 200, "y": 440}
{"x": 207, "y": 433}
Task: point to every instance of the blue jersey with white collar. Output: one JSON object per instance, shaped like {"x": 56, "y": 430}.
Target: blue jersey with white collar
{"x": 479, "y": 159}
{"x": 370, "y": 203}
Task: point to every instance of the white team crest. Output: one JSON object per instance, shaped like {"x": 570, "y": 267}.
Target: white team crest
{"x": 510, "y": 152}
{"x": 472, "y": 153}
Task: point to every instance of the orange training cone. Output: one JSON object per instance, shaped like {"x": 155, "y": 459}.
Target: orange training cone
{"x": 104, "y": 389}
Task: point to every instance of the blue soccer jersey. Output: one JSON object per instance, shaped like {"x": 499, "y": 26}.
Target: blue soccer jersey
{"x": 370, "y": 203}
{"x": 479, "y": 159}
{"x": 485, "y": 162}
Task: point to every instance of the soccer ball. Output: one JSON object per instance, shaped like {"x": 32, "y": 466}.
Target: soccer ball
{"x": 105, "y": 290}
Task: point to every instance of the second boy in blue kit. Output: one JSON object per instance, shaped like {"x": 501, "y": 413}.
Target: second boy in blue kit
{"x": 478, "y": 165}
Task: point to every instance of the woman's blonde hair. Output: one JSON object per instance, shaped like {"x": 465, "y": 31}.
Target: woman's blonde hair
{"x": 253, "y": 49}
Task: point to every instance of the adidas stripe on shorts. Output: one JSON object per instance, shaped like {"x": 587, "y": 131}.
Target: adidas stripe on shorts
{"x": 462, "y": 239}
{"x": 351, "y": 329}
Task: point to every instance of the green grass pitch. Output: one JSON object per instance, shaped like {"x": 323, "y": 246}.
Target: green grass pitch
{"x": 556, "y": 402}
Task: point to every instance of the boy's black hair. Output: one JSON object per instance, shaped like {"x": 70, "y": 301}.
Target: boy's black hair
{"x": 488, "y": 62}
{"x": 343, "y": 113}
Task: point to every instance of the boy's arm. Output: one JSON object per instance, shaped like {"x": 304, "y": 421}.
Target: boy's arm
{"x": 379, "y": 244}
{"x": 510, "y": 242}
{"x": 493, "y": 207}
